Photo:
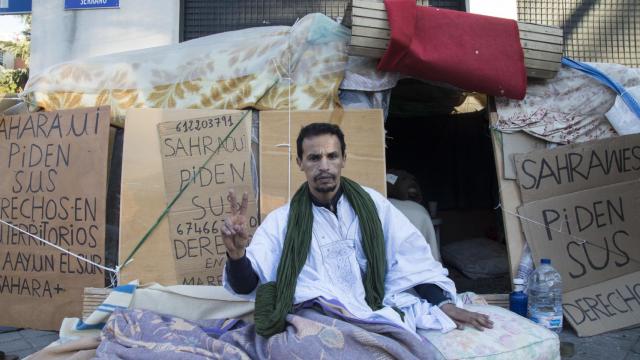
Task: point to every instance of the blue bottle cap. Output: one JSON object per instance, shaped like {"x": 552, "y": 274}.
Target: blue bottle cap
{"x": 545, "y": 261}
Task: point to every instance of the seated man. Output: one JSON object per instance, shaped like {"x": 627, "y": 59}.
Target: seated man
{"x": 420, "y": 218}
{"x": 338, "y": 243}
{"x": 404, "y": 193}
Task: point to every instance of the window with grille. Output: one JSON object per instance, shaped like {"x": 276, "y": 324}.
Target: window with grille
{"x": 594, "y": 30}
{"x": 205, "y": 17}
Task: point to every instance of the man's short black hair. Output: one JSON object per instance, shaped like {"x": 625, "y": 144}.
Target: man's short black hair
{"x": 315, "y": 129}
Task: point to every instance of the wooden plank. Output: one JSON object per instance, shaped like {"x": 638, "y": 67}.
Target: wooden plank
{"x": 376, "y": 5}
{"x": 551, "y": 39}
{"x": 542, "y": 65}
{"x": 371, "y": 32}
{"x": 369, "y": 42}
{"x": 366, "y": 52}
{"x": 368, "y": 22}
{"x": 541, "y": 74}
{"x": 535, "y": 45}
{"x": 542, "y": 55}
{"x": 369, "y": 13}
{"x": 541, "y": 29}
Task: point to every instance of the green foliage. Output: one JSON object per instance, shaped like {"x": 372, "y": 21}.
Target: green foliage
{"x": 13, "y": 81}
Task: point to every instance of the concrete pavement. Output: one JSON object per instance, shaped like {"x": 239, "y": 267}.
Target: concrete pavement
{"x": 23, "y": 342}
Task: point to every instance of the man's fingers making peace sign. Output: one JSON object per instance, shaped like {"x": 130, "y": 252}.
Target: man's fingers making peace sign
{"x": 234, "y": 230}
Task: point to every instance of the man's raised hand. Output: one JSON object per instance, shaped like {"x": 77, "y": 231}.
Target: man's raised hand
{"x": 234, "y": 230}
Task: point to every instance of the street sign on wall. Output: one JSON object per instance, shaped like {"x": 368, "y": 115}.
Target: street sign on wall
{"x": 15, "y": 7}
{"x": 90, "y": 4}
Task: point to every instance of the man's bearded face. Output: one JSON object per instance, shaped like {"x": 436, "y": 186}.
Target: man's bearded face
{"x": 322, "y": 162}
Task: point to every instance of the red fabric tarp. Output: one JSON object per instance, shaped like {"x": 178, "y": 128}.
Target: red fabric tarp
{"x": 473, "y": 52}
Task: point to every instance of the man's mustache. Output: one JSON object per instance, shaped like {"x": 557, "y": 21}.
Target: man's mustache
{"x": 324, "y": 175}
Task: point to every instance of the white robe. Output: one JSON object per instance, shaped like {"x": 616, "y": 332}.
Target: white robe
{"x": 336, "y": 263}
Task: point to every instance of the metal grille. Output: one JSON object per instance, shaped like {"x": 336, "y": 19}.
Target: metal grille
{"x": 205, "y": 17}
{"x": 594, "y": 30}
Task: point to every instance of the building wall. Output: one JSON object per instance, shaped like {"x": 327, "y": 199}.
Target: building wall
{"x": 60, "y": 35}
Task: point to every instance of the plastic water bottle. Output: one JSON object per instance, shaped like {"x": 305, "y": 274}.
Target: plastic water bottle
{"x": 545, "y": 297}
{"x": 518, "y": 299}
{"x": 525, "y": 268}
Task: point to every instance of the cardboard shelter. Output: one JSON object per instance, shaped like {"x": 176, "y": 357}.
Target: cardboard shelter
{"x": 53, "y": 185}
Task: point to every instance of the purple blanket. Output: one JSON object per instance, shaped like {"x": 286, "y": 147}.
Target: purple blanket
{"x": 310, "y": 333}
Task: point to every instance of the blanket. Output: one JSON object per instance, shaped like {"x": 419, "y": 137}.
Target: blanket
{"x": 267, "y": 68}
{"x": 311, "y": 332}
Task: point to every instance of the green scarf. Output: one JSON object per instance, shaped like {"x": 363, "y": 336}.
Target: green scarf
{"x": 274, "y": 300}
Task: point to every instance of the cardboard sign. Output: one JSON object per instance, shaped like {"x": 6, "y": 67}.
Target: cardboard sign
{"x": 582, "y": 205}
{"x": 143, "y": 196}
{"x": 53, "y": 185}
{"x": 364, "y": 135}
{"x": 205, "y": 157}
{"x": 590, "y": 236}
{"x": 612, "y": 305}
{"x": 546, "y": 173}
{"x": 517, "y": 143}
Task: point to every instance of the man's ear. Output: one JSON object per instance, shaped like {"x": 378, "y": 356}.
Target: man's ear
{"x": 344, "y": 159}
{"x": 299, "y": 162}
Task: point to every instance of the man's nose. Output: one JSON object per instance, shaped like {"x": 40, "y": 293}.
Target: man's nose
{"x": 324, "y": 163}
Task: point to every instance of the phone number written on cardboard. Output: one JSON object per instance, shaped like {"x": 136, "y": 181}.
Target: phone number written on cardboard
{"x": 199, "y": 124}
{"x": 189, "y": 228}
